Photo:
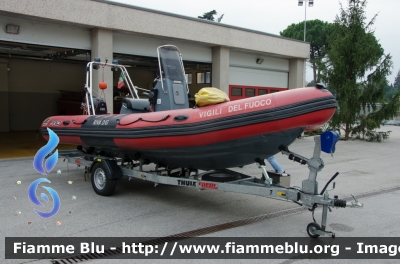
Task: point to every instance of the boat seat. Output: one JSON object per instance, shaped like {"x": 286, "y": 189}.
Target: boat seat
{"x": 131, "y": 106}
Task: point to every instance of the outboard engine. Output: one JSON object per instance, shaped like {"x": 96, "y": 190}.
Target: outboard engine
{"x": 100, "y": 106}
{"x": 170, "y": 90}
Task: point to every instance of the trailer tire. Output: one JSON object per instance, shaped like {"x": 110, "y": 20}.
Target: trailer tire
{"x": 311, "y": 228}
{"x": 218, "y": 177}
{"x": 101, "y": 182}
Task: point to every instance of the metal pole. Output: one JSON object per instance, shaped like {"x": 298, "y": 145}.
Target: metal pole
{"x": 305, "y": 18}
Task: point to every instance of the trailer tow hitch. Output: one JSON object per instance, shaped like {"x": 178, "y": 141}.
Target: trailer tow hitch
{"x": 309, "y": 192}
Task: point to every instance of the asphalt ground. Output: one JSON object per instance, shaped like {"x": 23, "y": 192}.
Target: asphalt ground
{"x": 138, "y": 209}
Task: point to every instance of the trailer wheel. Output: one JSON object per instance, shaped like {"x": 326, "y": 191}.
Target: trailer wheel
{"x": 101, "y": 182}
{"x": 311, "y": 228}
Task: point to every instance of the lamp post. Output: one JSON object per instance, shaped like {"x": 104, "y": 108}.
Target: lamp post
{"x": 310, "y": 4}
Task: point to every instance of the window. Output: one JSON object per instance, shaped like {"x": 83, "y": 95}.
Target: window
{"x": 236, "y": 91}
{"x": 250, "y": 92}
{"x": 208, "y": 77}
{"x": 203, "y": 77}
{"x": 262, "y": 91}
{"x": 200, "y": 77}
{"x": 188, "y": 78}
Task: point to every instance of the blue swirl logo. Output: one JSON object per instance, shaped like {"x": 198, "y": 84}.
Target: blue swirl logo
{"x": 34, "y": 199}
{"x": 45, "y": 159}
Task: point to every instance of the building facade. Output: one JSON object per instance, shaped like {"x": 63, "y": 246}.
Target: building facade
{"x": 45, "y": 45}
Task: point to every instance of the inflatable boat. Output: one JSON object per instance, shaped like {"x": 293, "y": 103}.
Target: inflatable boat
{"x": 164, "y": 130}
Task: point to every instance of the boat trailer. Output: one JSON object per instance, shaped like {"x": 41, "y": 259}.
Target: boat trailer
{"x": 105, "y": 171}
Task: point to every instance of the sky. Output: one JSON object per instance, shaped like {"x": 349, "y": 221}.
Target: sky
{"x": 273, "y": 16}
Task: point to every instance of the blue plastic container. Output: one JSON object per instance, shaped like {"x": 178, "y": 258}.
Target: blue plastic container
{"x": 328, "y": 141}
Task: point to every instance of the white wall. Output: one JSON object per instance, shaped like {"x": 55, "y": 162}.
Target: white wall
{"x": 247, "y": 60}
{"x": 40, "y": 33}
{"x": 137, "y": 45}
{"x": 297, "y": 73}
{"x": 220, "y": 68}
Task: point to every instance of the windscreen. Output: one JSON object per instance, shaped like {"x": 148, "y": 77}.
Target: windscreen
{"x": 171, "y": 66}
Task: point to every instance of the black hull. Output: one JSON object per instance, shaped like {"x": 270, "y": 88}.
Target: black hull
{"x": 220, "y": 155}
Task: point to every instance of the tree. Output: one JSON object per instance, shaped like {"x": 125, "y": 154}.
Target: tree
{"x": 209, "y": 15}
{"x": 389, "y": 92}
{"x": 311, "y": 84}
{"x": 357, "y": 70}
{"x": 396, "y": 84}
{"x": 317, "y": 33}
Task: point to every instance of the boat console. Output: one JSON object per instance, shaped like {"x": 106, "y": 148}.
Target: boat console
{"x": 171, "y": 86}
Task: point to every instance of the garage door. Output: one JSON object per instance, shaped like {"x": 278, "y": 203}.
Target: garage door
{"x": 255, "y": 77}
{"x": 244, "y": 82}
{"x": 255, "y": 74}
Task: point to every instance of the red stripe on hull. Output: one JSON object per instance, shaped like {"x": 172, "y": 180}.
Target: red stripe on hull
{"x": 317, "y": 118}
{"x": 248, "y": 105}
